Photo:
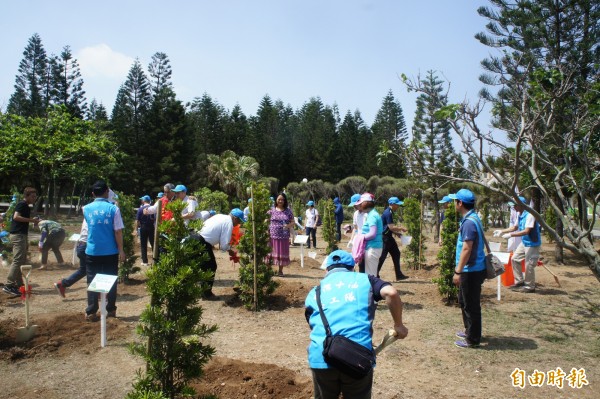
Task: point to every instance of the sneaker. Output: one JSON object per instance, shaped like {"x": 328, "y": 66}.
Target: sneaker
{"x": 209, "y": 295}
{"x": 461, "y": 335}
{"x": 92, "y": 317}
{"x": 402, "y": 277}
{"x": 516, "y": 286}
{"x": 465, "y": 344}
{"x": 112, "y": 313}
{"x": 11, "y": 290}
{"x": 527, "y": 289}
{"x": 60, "y": 288}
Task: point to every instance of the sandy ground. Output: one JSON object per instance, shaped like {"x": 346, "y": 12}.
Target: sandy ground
{"x": 263, "y": 355}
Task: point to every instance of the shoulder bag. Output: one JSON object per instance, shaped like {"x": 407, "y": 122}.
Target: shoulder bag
{"x": 342, "y": 353}
{"x": 493, "y": 265}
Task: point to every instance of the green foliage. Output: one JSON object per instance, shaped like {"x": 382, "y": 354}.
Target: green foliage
{"x": 412, "y": 221}
{"x": 254, "y": 246}
{"x": 215, "y": 200}
{"x": 328, "y": 225}
{"x": 127, "y": 205}
{"x": 551, "y": 219}
{"x": 485, "y": 215}
{"x": 447, "y": 256}
{"x": 174, "y": 352}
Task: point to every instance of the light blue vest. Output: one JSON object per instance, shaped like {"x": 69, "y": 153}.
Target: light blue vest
{"x": 480, "y": 260}
{"x": 533, "y": 239}
{"x": 100, "y": 216}
{"x": 347, "y": 300}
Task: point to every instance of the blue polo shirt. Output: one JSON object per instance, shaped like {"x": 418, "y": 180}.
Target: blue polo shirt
{"x": 387, "y": 217}
{"x": 470, "y": 231}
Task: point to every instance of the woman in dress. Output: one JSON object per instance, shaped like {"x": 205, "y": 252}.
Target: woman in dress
{"x": 282, "y": 219}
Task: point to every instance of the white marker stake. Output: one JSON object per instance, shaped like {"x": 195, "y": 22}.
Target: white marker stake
{"x": 302, "y": 255}
{"x": 302, "y": 240}
{"x": 103, "y": 319}
{"x": 498, "y": 278}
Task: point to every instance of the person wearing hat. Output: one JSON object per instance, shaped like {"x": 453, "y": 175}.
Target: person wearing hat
{"x": 358, "y": 218}
{"x": 217, "y": 230}
{"x": 349, "y": 301}
{"x": 469, "y": 272}
{"x": 310, "y": 223}
{"x": 389, "y": 243}
{"x": 189, "y": 212}
{"x": 145, "y": 226}
{"x": 104, "y": 247}
{"x": 339, "y": 218}
{"x": 528, "y": 229}
{"x": 372, "y": 230}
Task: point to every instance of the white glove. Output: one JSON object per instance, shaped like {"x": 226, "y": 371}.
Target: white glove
{"x": 497, "y": 233}
{"x": 506, "y": 236}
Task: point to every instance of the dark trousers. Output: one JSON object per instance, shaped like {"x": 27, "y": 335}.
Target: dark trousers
{"x": 82, "y": 271}
{"x": 146, "y": 234}
{"x": 338, "y": 231}
{"x": 53, "y": 242}
{"x": 311, "y": 232}
{"x": 390, "y": 247}
{"x": 330, "y": 383}
{"x": 211, "y": 263}
{"x": 469, "y": 299}
{"x": 107, "y": 264}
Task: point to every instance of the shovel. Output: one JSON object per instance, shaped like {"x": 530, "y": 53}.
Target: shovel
{"x": 24, "y": 334}
{"x": 387, "y": 340}
{"x": 540, "y": 263}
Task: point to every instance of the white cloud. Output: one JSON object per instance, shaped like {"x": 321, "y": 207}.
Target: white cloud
{"x": 103, "y": 62}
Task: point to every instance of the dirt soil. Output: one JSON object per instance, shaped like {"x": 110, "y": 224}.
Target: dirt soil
{"x": 263, "y": 355}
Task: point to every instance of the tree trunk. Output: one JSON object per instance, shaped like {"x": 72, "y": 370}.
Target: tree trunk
{"x": 558, "y": 250}
{"x": 592, "y": 256}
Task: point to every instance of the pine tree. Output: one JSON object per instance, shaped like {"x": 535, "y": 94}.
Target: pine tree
{"x": 389, "y": 125}
{"x": 327, "y": 210}
{"x": 67, "y": 84}
{"x": 97, "y": 112}
{"x": 29, "y": 98}
{"x": 160, "y": 73}
{"x": 413, "y": 253}
{"x": 447, "y": 256}
{"x": 431, "y": 138}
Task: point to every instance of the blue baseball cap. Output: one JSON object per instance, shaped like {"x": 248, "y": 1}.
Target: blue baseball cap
{"x": 463, "y": 195}
{"x": 179, "y": 188}
{"x": 444, "y": 200}
{"x": 339, "y": 258}
{"x": 395, "y": 201}
{"x": 310, "y": 203}
{"x": 354, "y": 199}
{"x": 521, "y": 198}
{"x": 160, "y": 195}
{"x": 212, "y": 212}
{"x": 238, "y": 213}
{"x": 146, "y": 198}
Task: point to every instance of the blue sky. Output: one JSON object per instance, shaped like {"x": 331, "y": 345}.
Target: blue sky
{"x": 343, "y": 51}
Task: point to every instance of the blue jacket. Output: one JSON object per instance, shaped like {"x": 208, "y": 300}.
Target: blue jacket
{"x": 100, "y": 216}
{"x": 349, "y": 304}
{"x": 339, "y": 211}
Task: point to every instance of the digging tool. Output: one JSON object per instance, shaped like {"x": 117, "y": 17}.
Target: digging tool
{"x": 24, "y": 334}
{"x": 540, "y": 263}
{"x": 387, "y": 340}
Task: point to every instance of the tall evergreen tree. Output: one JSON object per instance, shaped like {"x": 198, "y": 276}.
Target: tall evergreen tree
{"x": 389, "y": 125}
{"x": 28, "y": 98}
{"x": 128, "y": 121}
{"x": 431, "y": 136}
{"x": 97, "y": 112}
{"x": 67, "y": 84}
{"x": 235, "y": 130}
{"x": 160, "y": 73}
{"x": 264, "y": 136}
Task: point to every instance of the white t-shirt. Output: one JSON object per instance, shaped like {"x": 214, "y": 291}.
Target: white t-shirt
{"x": 311, "y": 217}
{"x": 513, "y": 242}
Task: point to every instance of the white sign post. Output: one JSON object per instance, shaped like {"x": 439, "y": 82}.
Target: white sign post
{"x": 503, "y": 256}
{"x": 302, "y": 240}
{"x": 102, "y": 284}
{"x": 75, "y": 238}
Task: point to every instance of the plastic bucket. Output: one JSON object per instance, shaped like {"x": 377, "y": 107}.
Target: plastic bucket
{"x": 495, "y": 246}
{"x": 405, "y": 240}
{"x": 312, "y": 255}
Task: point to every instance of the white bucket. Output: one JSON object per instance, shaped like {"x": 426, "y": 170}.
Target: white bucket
{"x": 495, "y": 246}
{"x": 324, "y": 264}
{"x": 405, "y": 240}
{"x": 312, "y": 255}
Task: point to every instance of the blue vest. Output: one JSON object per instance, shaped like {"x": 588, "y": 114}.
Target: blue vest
{"x": 480, "y": 259}
{"x": 100, "y": 216}
{"x": 347, "y": 300}
{"x": 533, "y": 239}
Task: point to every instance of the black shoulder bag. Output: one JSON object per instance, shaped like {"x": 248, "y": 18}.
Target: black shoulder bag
{"x": 344, "y": 354}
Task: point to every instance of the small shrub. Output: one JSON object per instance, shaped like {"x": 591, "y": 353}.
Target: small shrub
{"x": 329, "y": 225}
{"x": 127, "y": 205}
{"x": 412, "y": 220}
{"x": 447, "y": 256}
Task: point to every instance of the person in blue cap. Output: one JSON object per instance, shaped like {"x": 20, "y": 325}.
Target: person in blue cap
{"x": 339, "y": 218}
{"x": 528, "y": 229}
{"x": 217, "y": 230}
{"x": 349, "y": 301}
{"x": 358, "y": 219}
{"x": 389, "y": 243}
{"x": 469, "y": 272}
{"x": 310, "y": 223}
{"x": 145, "y": 226}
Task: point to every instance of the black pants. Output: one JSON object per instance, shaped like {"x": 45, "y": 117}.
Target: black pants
{"x": 390, "y": 246}
{"x": 338, "y": 231}
{"x": 469, "y": 298}
{"x": 104, "y": 264}
{"x": 146, "y": 234}
{"x": 330, "y": 383}
{"x": 311, "y": 232}
{"x": 211, "y": 263}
